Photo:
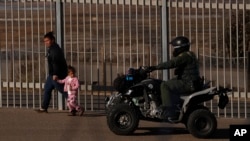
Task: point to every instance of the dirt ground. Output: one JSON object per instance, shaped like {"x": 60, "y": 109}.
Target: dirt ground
{"x": 28, "y": 125}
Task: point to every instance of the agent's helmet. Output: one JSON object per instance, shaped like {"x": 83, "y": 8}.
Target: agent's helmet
{"x": 180, "y": 44}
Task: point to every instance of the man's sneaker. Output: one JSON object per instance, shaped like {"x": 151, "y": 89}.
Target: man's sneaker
{"x": 42, "y": 110}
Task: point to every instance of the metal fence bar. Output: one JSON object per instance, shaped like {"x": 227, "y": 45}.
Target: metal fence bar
{"x": 110, "y": 44}
{"x": 150, "y": 33}
{"x": 129, "y": 23}
{"x": 84, "y": 49}
{"x": 77, "y": 47}
{"x": 136, "y": 32}
{"x": 189, "y": 20}
{"x": 117, "y": 35}
{"x": 91, "y": 55}
{"x": 196, "y": 28}
{"x": 1, "y": 83}
{"x": 237, "y": 54}
{"x": 183, "y": 20}
{"x": 245, "y": 62}
{"x": 32, "y": 56}
{"x": 248, "y": 76}
{"x": 210, "y": 47}
{"x": 98, "y": 48}
{"x": 123, "y": 35}
{"x": 224, "y": 53}
{"x": 230, "y": 30}
{"x": 51, "y": 11}
{"x": 203, "y": 40}
{"x": 156, "y": 38}
{"x": 25, "y": 48}
{"x": 12, "y": 53}
{"x": 45, "y": 59}
{"x": 6, "y": 56}
{"x": 70, "y": 33}
{"x": 143, "y": 34}
{"x": 39, "y": 55}
{"x": 176, "y": 19}
{"x": 20, "y": 69}
{"x": 217, "y": 51}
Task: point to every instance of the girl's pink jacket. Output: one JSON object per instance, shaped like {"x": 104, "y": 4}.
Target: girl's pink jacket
{"x": 74, "y": 84}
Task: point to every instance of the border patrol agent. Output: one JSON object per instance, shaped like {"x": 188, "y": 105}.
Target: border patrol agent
{"x": 187, "y": 73}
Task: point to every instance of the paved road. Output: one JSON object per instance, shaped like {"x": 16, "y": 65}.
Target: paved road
{"x": 27, "y": 125}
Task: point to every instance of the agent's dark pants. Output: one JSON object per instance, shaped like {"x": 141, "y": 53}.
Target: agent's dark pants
{"x": 50, "y": 84}
{"x": 172, "y": 89}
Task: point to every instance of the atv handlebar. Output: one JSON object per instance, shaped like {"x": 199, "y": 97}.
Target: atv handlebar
{"x": 147, "y": 69}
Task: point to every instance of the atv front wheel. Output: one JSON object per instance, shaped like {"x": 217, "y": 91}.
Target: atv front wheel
{"x": 122, "y": 119}
{"x": 201, "y": 123}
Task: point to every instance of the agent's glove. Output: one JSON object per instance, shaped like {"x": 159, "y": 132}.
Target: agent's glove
{"x": 152, "y": 68}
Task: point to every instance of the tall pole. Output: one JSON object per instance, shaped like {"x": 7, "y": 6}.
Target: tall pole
{"x": 59, "y": 39}
{"x": 165, "y": 50}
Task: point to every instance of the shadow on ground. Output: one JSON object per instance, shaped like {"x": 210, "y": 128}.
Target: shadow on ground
{"x": 148, "y": 131}
{"x": 94, "y": 114}
{"x": 160, "y": 131}
{"x": 221, "y": 134}
{"x": 85, "y": 114}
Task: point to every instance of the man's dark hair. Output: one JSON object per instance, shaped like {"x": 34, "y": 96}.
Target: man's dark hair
{"x": 50, "y": 35}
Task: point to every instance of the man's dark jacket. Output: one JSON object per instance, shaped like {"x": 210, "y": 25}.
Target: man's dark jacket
{"x": 56, "y": 61}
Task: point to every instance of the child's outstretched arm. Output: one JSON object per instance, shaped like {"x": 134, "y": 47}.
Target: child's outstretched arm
{"x": 62, "y": 81}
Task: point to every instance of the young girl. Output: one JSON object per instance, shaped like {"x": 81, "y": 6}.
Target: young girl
{"x": 71, "y": 85}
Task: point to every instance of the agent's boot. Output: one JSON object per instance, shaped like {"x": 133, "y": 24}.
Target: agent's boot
{"x": 169, "y": 113}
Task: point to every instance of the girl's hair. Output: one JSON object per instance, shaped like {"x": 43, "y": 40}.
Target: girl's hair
{"x": 50, "y": 35}
{"x": 72, "y": 69}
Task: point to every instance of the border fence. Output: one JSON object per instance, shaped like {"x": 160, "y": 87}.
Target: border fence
{"x": 102, "y": 38}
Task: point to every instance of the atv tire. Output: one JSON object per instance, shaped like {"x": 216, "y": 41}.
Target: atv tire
{"x": 122, "y": 119}
{"x": 201, "y": 123}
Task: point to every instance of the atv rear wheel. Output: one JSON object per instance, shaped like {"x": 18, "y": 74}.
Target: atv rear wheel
{"x": 201, "y": 123}
{"x": 122, "y": 119}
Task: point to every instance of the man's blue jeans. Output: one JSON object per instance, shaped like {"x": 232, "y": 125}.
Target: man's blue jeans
{"x": 50, "y": 84}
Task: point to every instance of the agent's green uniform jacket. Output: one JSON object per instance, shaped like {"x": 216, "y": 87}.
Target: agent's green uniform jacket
{"x": 188, "y": 76}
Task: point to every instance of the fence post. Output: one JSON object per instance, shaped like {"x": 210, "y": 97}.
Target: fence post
{"x": 59, "y": 38}
{"x": 164, "y": 24}
{"x": 0, "y": 78}
{"x": 248, "y": 72}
